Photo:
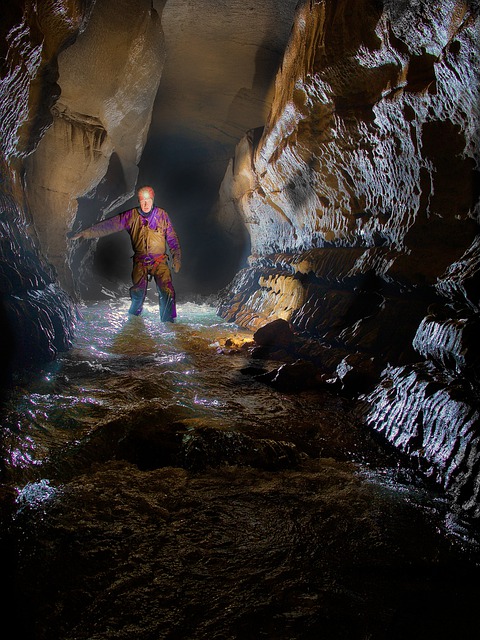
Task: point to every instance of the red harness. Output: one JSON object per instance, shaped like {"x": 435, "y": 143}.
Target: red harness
{"x": 149, "y": 261}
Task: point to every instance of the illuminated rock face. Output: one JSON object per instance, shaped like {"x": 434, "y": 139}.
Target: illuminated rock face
{"x": 361, "y": 200}
{"x": 372, "y": 137}
{"x": 36, "y": 316}
{"x": 108, "y": 80}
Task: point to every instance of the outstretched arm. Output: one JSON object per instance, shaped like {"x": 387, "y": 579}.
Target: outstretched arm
{"x": 103, "y": 228}
{"x": 76, "y": 236}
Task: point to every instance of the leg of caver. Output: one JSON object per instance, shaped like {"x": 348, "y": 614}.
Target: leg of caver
{"x": 139, "y": 289}
{"x": 166, "y": 292}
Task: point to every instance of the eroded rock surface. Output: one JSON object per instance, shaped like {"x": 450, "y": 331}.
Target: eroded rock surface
{"x": 36, "y": 316}
{"x": 361, "y": 200}
{"x": 108, "y": 80}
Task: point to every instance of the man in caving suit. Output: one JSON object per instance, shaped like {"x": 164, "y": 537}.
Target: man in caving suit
{"x": 150, "y": 232}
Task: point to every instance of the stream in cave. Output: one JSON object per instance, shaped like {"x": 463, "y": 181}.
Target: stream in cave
{"x": 111, "y": 538}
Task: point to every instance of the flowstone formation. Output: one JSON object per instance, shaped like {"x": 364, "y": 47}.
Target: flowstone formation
{"x": 361, "y": 200}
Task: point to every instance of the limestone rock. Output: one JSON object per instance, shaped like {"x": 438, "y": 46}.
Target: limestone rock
{"x": 277, "y": 333}
{"x": 461, "y": 281}
{"x": 451, "y": 343}
{"x": 209, "y": 447}
{"x": 293, "y": 377}
{"x": 108, "y": 79}
{"x": 221, "y": 61}
{"x": 351, "y": 298}
{"x": 357, "y": 373}
{"x": 351, "y": 189}
{"x": 436, "y": 421}
{"x": 351, "y": 153}
{"x": 36, "y": 316}
{"x": 154, "y": 436}
{"x": 363, "y": 188}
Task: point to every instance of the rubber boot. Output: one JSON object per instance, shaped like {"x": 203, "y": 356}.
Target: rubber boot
{"x": 165, "y": 305}
{"x": 137, "y": 302}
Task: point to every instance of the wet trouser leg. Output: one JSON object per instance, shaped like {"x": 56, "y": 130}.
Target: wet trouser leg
{"x": 139, "y": 289}
{"x": 166, "y": 292}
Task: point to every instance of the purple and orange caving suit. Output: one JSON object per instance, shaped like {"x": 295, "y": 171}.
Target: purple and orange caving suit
{"x": 150, "y": 234}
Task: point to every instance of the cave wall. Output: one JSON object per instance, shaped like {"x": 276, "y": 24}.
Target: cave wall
{"x": 78, "y": 85}
{"x": 373, "y": 124}
{"x": 361, "y": 199}
{"x": 36, "y": 316}
{"x": 108, "y": 80}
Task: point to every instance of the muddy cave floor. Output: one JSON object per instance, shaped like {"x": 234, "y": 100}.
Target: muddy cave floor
{"x": 161, "y": 493}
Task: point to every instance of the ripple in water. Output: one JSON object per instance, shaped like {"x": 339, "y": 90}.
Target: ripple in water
{"x": 345, "y": 544}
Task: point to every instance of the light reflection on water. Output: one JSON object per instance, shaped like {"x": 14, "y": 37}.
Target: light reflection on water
{"x": 119, "y": 362}
{"x": 346, "y": 536}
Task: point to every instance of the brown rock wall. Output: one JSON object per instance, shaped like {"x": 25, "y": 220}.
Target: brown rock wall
{"x": 363, "y": 190}
{"x": 366, "y": 141}
{"x": 32, "y": 36}
{"x": 108, "y": 80}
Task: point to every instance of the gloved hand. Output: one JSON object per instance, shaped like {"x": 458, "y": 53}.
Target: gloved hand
{"x": 75, "y": 236}
{"x": 176, "y": 264}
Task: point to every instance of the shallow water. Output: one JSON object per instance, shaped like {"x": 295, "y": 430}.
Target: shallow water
{"x": 346, "y": 543}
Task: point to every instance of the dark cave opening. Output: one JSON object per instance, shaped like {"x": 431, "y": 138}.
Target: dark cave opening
{"x": 186, "y": 172}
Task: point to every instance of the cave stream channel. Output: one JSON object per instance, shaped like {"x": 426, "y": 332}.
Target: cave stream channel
{"x": 163, "y": 492}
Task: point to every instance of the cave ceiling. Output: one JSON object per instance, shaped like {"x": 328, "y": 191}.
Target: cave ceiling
{"x": 221, "y": 60}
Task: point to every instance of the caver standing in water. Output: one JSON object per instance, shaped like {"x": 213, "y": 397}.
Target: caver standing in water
{"x": 151, "y": 232}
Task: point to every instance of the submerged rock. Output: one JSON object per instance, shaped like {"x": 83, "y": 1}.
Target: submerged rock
{"x": 208, "y": 447}
{"x": 154, "y": 435}
{"x": 294, "y": 376}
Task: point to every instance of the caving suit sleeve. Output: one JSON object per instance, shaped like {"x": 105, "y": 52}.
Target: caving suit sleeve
{"x": 111, "y": 225}
{"x": 173, "y": 243}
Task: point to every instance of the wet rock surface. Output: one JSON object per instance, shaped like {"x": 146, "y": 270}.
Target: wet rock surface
{"x": 234, "y": 553}
{"x": 364, "y": 230}
{"x": 36, "y": 316}
{"x": 355, "y": 151}
{"x": 433, "y": 418}
{"x": 200, "y": 502}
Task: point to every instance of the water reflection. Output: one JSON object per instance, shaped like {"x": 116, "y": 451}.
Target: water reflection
{"x": 133, "y": 339}
{"x": 343, "y": 544}
{"x": 116, "y": 360}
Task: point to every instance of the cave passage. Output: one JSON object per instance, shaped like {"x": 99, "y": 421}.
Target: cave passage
{"x": 188, "y": 499}
{"x": 185, "y": 172}
{"x": 156, "y": 481}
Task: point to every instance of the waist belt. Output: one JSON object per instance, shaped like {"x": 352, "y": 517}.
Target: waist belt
{"x": 147, "y": 260}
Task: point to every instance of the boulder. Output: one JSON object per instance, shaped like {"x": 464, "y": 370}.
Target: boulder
{"x": 277, "y": 334}
{"x": 211, "y": 447}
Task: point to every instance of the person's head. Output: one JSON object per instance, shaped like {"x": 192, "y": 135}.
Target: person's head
{"x": 146, "y": 196}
